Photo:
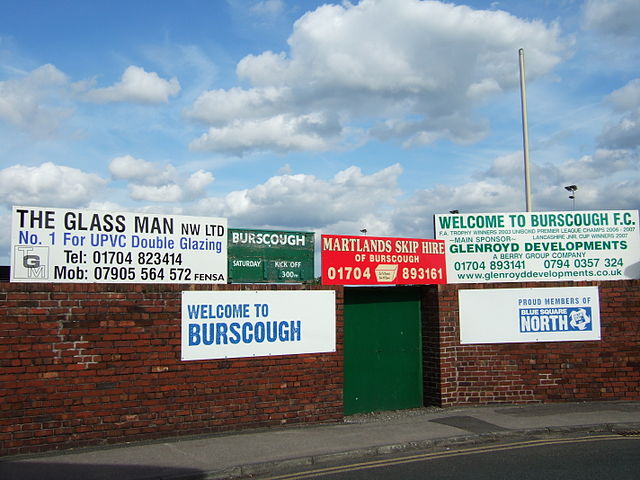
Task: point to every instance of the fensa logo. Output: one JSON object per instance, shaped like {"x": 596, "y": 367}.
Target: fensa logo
{"x": 31, "y": 263}
{"x": 572, "y": 319}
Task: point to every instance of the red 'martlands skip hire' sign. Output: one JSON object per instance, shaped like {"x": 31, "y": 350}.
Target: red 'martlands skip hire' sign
{"x": 362, "y": 260}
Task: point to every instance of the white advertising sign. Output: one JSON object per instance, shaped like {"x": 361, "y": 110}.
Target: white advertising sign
{"x": 236, "y": 324}
{"x": 84, "y": 246}
{"x": 536, "y": 247}
{"x": 525, "y": 315}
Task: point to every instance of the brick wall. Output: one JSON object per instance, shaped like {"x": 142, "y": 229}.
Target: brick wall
{"x": 608, "y": 369}
{"x": 89, "y": 364}
{"x": 431, "y": 345}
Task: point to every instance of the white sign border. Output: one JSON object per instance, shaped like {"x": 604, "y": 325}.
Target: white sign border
{"x": 511, "y": 261}
{"x": 492, "y": 315}
{"x": 314, "y": 309}
{"x": 72, "y": 245}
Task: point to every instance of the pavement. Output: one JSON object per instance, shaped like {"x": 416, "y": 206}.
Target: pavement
{"x": 255, "y": 453}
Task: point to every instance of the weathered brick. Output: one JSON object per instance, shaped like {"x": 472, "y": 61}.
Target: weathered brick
{"x": 84, "y": 364}
{"x": 457, "y": 374}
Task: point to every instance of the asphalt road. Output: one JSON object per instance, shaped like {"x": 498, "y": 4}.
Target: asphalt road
{"x": 602, "y": 457}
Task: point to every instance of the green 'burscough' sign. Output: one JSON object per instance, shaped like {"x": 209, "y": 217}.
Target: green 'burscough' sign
{"x": 269, "y": 256}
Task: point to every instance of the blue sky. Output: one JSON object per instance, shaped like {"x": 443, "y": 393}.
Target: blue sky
{"x": 326, "y": 117}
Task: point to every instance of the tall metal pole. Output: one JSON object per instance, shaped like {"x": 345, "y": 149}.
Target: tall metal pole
{"x": 525, "y": 131}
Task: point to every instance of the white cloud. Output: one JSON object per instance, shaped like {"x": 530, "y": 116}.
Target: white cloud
{"x": 599, "y": 177}
{"x": 589, "y": 169}
{"x": 128, "y": 167}
{"x": 625, "y": 134}
{"x": 267, "y": 8}
{"x": 304, "y": 201}
{"x": 218, "y": 106}
{"x": 285, "y": 169}
{"x": 265, "y": 69}
{"x": 605, "y": 180}
{"x": 136, "y": 86}
{"x": 198, "y": 181}
{"x": 463, "y": 129}
{"x": 626, "y": 98}
{"x": 152, "y": 182}
{"x": 151, "y": 193}
{"x": 34, "y": 102}
{"x": 48, "y": 184}
{"x": 312, "y": 132}
{"x": 613, "y": 17}
{"x": 392, "y": 46}
{"x": 508, "y": 168}
{"x": 258, "y": 15}
{"x": 483, "y": 88}
{"x": 605, "y": 176}
{"x": 377, "y": 59}
{"x": 414, "y": 217}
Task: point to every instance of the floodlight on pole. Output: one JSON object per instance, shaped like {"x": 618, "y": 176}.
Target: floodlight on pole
{"x": 572, "y": 193}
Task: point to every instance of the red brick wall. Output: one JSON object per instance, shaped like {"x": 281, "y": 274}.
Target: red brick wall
{"x": 88, "y": 364}
{"x": 608, "y": 369}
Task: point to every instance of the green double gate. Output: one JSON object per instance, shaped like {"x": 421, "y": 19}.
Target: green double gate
{"x": 382, "y": 349}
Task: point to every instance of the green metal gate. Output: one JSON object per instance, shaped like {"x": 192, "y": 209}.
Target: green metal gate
{"x": 382, "y": 349}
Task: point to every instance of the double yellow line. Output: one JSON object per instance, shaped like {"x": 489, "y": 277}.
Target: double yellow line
{"x": 445, "y": 454}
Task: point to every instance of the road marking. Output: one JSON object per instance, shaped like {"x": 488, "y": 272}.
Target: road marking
{"x": 443, "y": 454}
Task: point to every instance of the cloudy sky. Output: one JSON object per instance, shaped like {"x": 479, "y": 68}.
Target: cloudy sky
{"x": 314, "y": 116}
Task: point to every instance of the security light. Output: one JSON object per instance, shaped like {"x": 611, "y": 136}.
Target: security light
{"x": 572, "y": 190}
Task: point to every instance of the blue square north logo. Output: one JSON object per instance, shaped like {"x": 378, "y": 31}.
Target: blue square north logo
{"x": 567, "y": 319}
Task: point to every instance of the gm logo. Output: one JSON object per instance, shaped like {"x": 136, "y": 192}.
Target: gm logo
{"x": 31, "y": 263}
